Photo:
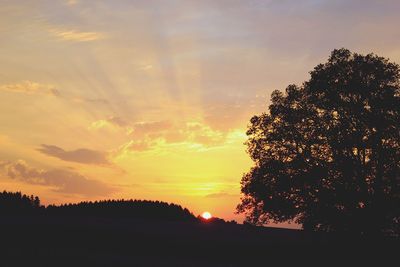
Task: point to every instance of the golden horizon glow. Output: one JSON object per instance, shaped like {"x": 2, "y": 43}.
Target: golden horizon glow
{"x": 206, "y": 215}
{"x": 151, "y": 99}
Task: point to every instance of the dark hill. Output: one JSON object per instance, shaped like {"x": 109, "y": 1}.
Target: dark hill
{"x": 85, "y": 235}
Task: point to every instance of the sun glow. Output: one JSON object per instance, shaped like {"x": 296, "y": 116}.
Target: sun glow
{"x": 206, "y": 215}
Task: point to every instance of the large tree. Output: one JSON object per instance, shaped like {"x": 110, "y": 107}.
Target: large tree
{"x": 327, "y": 153}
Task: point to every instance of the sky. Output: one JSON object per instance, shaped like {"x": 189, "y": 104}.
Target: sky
{"x": 151, "y": 99}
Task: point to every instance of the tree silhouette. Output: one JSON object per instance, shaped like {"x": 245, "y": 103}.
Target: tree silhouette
{"x": 327, "y": 153}
{"x": 16, "y": 203}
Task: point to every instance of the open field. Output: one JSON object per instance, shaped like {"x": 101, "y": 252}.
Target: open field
{"x": 80, "y": 241}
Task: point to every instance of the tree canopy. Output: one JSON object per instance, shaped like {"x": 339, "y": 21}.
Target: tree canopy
{"x": 327, "y": 153}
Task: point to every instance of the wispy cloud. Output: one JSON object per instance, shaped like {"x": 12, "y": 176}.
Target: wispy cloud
{"x": 111, "y": 121}
{"x": 75, "y": 35}
{"x": 29, "y": 87}
{"x": 61, "y": 180}
{"x": 102, "y": 101}
{"x": 139, "y": 145}
{"x": 220, "y": 195}
{"x": 166, "y": 135}
{"x": 71, "y": 2}
{"x": 147, "y": 127}
{"x": 81, "y": 155}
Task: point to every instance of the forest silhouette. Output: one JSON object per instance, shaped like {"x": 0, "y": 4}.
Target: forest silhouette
{"x": 20, "y": 204}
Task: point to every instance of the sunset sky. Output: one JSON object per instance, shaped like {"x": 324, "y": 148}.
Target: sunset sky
{"x": 151, "y": 99}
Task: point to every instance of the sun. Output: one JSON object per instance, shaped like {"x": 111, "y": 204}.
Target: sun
{"x": 206, "y": 215}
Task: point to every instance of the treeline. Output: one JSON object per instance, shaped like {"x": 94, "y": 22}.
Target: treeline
{"x": 142, "y": 209}
{"x": 18, "y": 204}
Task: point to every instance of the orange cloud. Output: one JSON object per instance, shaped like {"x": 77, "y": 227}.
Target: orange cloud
{"x": 143, "y": 128}
{"x": 60, "y": 180}
{"x": 150, "y": 135}
{"x": 140, "y": 145}
{"x": 76, "y": 36}
{"x": 221, "y": 195}
{"x": 71, "y": 2}
{"x": 81, "y": 155}
{"x": 29, "y": 87}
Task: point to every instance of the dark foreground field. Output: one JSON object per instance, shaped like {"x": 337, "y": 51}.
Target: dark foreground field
{"x": 80, "y": 241}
